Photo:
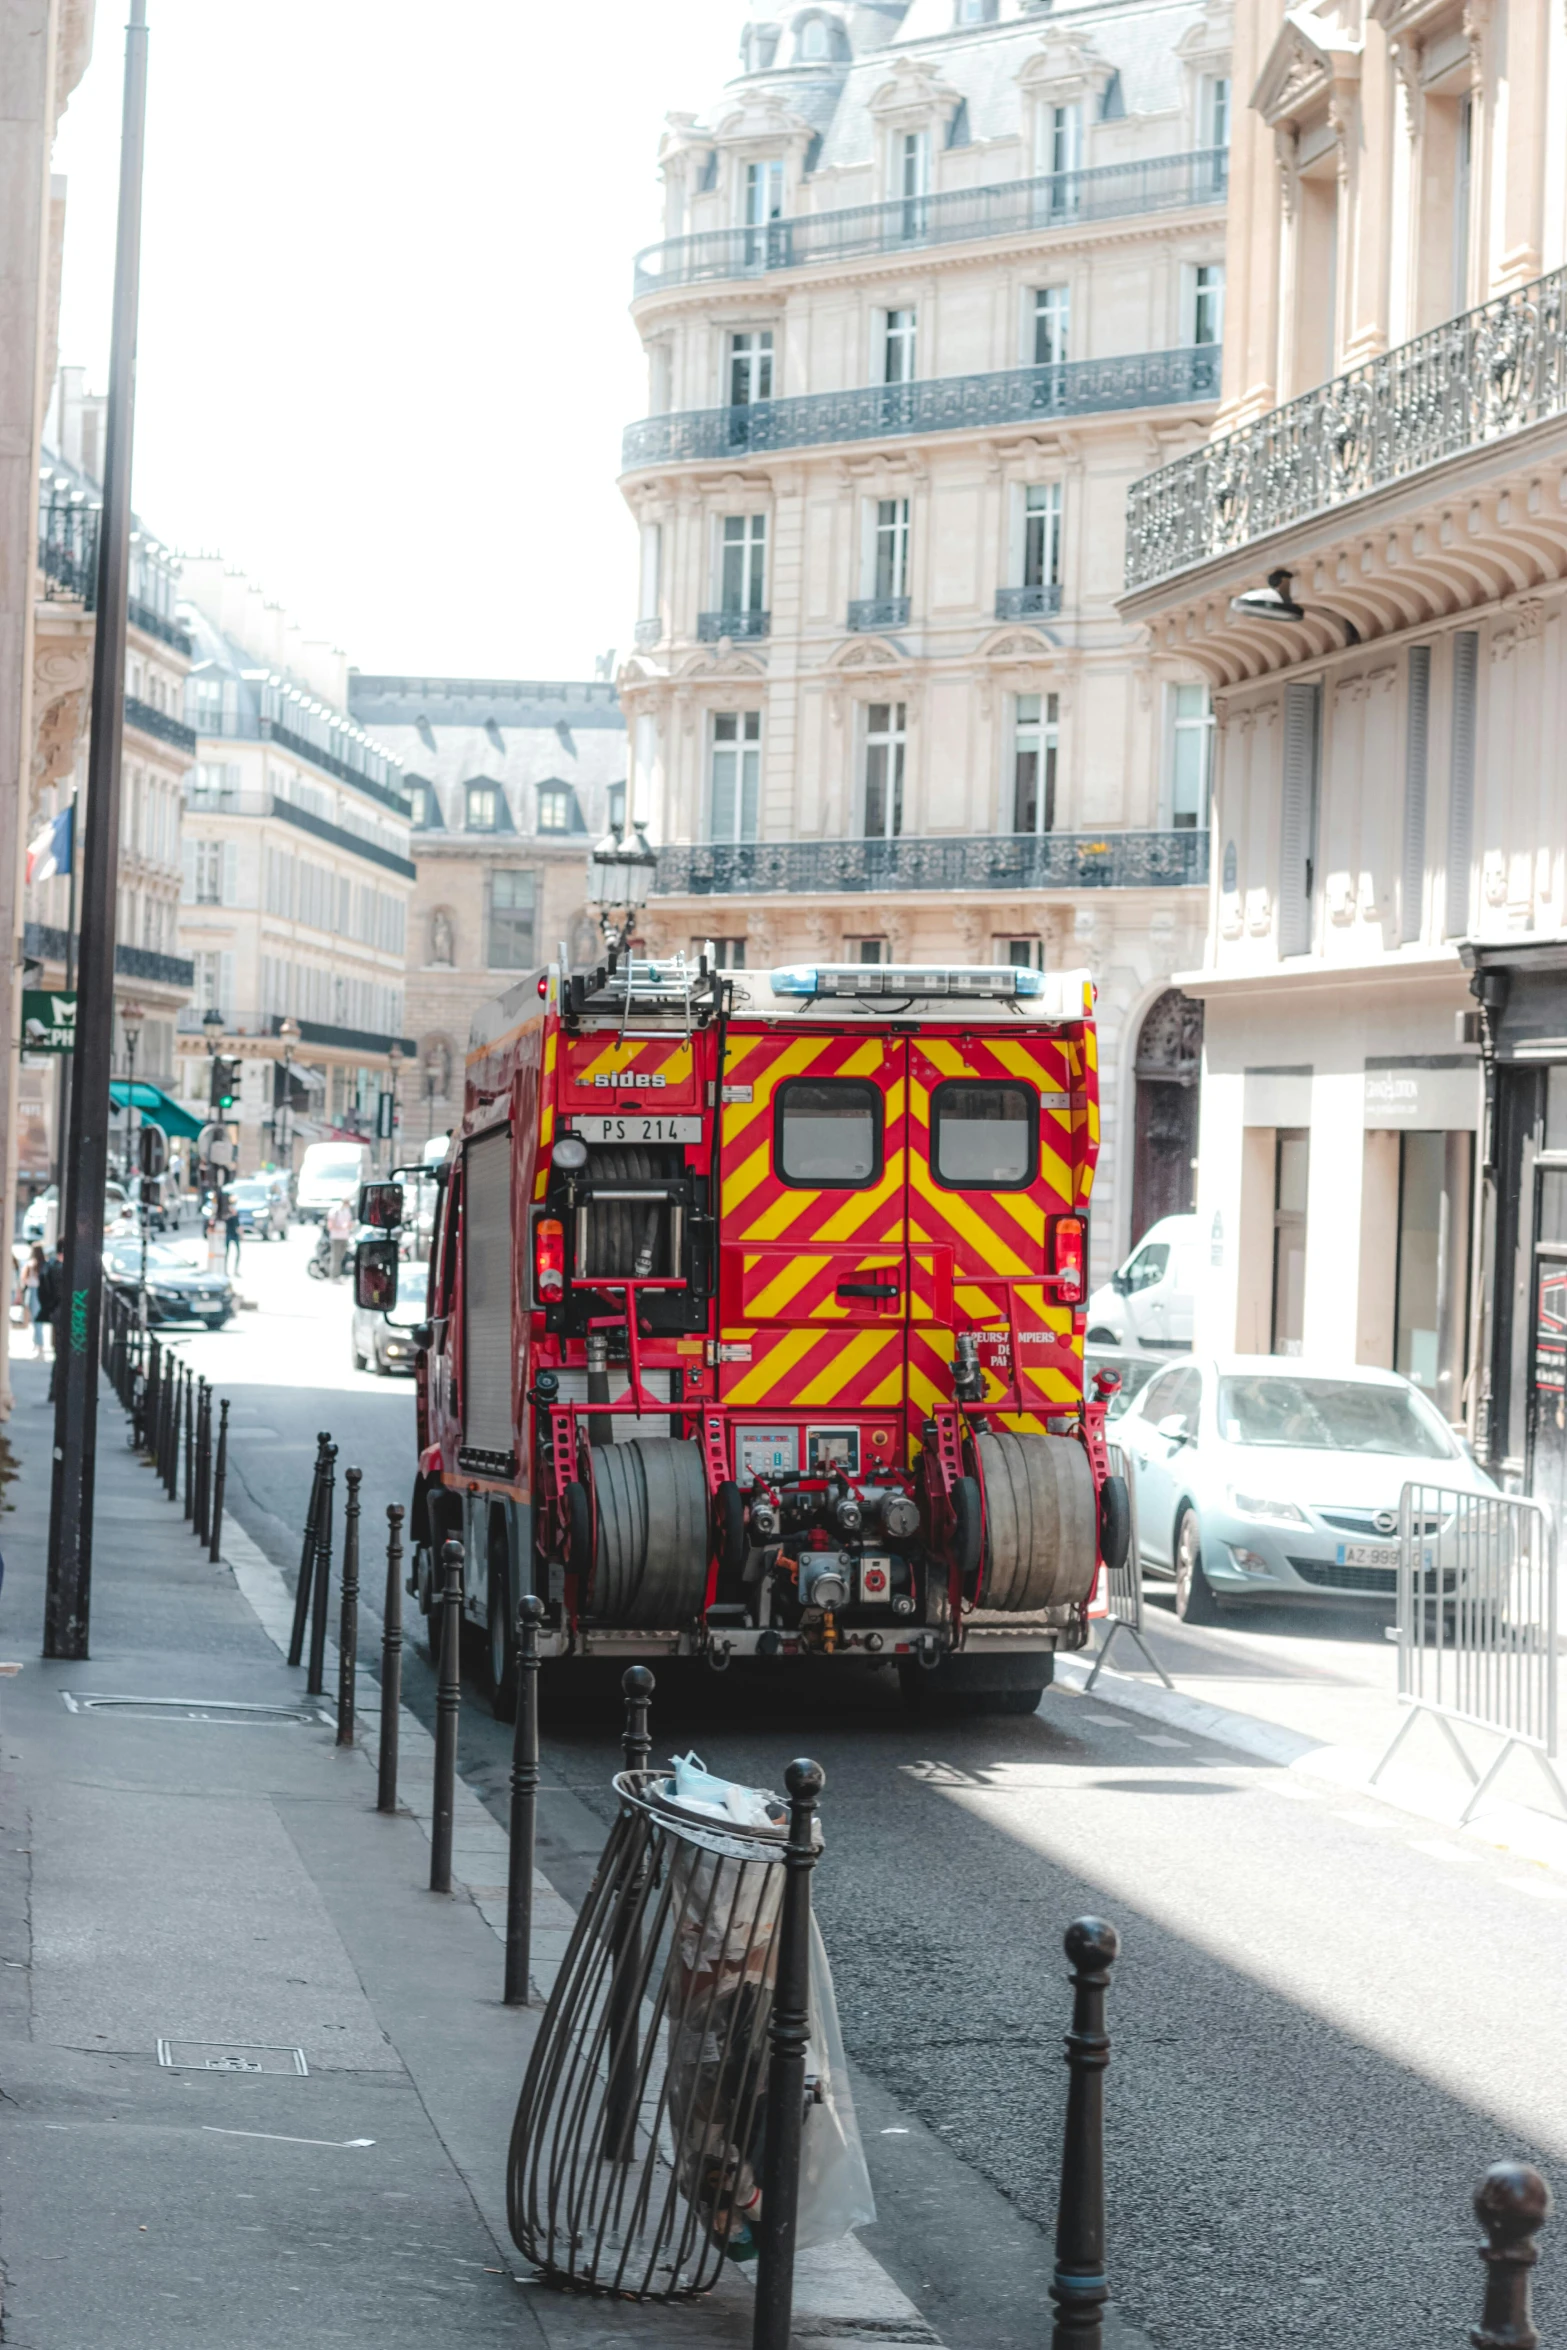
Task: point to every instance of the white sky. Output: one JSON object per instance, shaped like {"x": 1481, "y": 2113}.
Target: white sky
{"x": 385, "y": 359}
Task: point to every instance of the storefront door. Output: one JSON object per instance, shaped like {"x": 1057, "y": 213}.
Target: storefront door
{"x": 1548, "y": 1341}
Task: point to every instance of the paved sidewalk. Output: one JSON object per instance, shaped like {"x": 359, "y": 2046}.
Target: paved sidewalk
{"x": 177, "y": 1871}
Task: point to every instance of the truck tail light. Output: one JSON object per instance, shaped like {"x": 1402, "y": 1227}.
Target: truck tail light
{"x": 549, "y": 1260}
{"x": 1068, "y": 1259}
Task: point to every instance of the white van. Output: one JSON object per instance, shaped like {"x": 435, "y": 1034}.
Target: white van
{"x": 328, "y": 1172}
{"x": 1149, "y": 1301}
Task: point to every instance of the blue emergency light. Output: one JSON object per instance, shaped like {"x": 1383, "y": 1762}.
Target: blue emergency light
{"x": 981, "y": 980}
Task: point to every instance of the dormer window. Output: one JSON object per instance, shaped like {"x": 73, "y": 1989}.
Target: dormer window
{"x": 764, "y": 191}
{"x": 976, "y": 11}
{"x": 484, "y": 807}
{"x": 815, "y": 41}
{"x": 558, "y": 808}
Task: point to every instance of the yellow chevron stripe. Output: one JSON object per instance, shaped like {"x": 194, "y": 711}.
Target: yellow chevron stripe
{"x": 991, "y": 1250}
{"x": 860, "y": 1206}
{"x": 760, "y": 1381}
{"x": 776, "y": 1218}
{"x": 769, "y": 1305}
{"x": 828, "y": 1388}
{"x": 739, "y": 1185}
{"x": 797, "y": 1055}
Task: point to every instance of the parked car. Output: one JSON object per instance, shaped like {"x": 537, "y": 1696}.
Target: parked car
{"x": 1261, "y": 1478}
{"x": 117, "y": 1212}
{"x": 261, "y": 1211}
{"x": 1134, "y": 1370}
{"x": 384, "y": 1342}
{"x": 1149, "y": 1301}
{"x": 328, "y": 1172}
{"x": 177, "y": 1290}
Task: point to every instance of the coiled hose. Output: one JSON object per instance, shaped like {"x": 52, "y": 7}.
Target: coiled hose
{"x": 624, "y": 1235}
{"x": 650, "y": 1566}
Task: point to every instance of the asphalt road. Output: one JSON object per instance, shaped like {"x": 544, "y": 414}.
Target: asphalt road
{"x": 1327, "y": 2018}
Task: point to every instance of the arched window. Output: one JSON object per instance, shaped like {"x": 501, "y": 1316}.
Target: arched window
{"x": 813, "y": 40}
{"x": 1167, "y": 1070}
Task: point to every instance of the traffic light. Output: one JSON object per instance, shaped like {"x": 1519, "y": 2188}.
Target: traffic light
{"x": 225, "y": 1084}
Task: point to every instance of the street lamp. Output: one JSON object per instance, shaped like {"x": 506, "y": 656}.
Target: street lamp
{"x": 394, "y": 1061}
{"x": 1276, "y": 602}
{"x": 289, "y": 1034}
{"x": 620, "y": 875}
{"x": 131, "y": 1018}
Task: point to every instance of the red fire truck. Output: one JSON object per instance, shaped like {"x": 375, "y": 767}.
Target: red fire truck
{"x": 755, "y": 1323}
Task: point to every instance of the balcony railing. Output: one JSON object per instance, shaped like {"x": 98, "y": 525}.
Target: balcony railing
{"x": 153, "y": 623}
{"x": 741, "y": 627}
{"x": 43, "y": 942}
{"x": 872, "y": 612}
{"x": 167, "y": 729}
{"x": 68, "y": 549}
{"x": 1479, "y": 378}
{"x": 1061, "y": 199}
{"x": 240, "y": 726}
{"x": 942, "y": 403}
{"x": 263, "y": 803}
{"x": 192, "y": 1021}
{"x": 1028, "y": 603}
{"x": 1000, "y": 861}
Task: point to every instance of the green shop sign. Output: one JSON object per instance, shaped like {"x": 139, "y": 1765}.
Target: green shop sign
{"x": 48, "y": 1021}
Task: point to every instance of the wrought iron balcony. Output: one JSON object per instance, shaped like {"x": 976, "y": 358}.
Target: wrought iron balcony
{"x": 1061, "y": 199}
{"x": 961, "y": 864}
{"x": 741, "y": 627}
{"x": 1479, "y": 378}
{"x": 1028, "y": 603}
{"x": 244, "y": 726}
{"x": 870, "y": 612}
{"x": 155, "y": 623}
{"x": 199, "y": 802}
{"x": 157, "y": 970}
{"x": 192, "y": 1021}
{"x": 941, "y": 403}
{"x": 68, "y": 548}
{"x": 161, "y": 723}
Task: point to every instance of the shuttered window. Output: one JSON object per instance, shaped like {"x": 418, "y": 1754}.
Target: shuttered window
{"x": 1417, "y": 733}
{"x": 1298, "y": 827}
{"x": 1461, "y": 785}
{"x": 487, "y": 1296}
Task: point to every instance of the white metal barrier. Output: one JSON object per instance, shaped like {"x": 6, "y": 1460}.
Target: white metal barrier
{"x": 1477, "y": 1625}
{"x": 1123, "y": 1585}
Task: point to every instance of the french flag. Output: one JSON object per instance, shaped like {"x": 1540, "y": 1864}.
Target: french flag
{"x": 50, "y": 853}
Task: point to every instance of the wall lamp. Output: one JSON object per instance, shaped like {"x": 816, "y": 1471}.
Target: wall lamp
{"x": 1275, "y": 602}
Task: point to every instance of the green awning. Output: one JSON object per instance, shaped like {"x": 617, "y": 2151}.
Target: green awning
{"x": 155, "y": 1106}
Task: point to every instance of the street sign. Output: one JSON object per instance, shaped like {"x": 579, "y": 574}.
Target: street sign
{"x": 48, "y": 1020}
{"x": 383, "y": 1116}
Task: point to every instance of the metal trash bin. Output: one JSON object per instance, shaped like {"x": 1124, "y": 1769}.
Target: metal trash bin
{"x": 636, "y": 2153}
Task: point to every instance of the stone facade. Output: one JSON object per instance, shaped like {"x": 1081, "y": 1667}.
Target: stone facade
{"x": 937, "y": 283}
{"x": 511, "y": 781}
{"x": 1391, "y": 780}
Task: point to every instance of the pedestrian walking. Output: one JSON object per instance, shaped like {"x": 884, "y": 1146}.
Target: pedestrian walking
{"x": 339, "y": 1231}
{"x": 28, "y": 1294}
{"x": 228, "y": 1216}
{"x": 54, "y": 1306}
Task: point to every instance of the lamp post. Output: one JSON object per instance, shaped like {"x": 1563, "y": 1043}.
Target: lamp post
{"x": 620, "y": 875}
{"x": 131, "y": 1018}
{"x": 289, "y": 1034}
{"x": 394, "y": 1062}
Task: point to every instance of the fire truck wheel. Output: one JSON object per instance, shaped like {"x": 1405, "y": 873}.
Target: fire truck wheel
{"x": 1115, "y": 1523}
{"x": 1041, "y": 1521}
{"x": 977, "y": 1684}
{"x": 651, "y": 1563}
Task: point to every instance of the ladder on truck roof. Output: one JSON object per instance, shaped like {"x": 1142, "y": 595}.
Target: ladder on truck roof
{"x": 671, "y": 985}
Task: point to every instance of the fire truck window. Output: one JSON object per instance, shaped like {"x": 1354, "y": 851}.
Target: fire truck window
{"x": 829, "y": 1134}
{"x": 985, "y": 1136}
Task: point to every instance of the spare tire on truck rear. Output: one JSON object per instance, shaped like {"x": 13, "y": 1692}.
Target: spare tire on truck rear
{"x": 650, "y": 1562}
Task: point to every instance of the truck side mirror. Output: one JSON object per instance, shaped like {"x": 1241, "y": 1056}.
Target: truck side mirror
{"x": 375, "y": 1274}
{"x": 381, "y": 1205}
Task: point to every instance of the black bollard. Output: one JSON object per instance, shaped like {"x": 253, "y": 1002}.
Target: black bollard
{"x": 321, "y": 1582}
{"x": 788, "y": 2033}
{"x": 190, "y": 1440}
{"x": 1512, "y": 2204}
{"x": 448, "y": 1705}
{"x": 171, "y": 1427}
{"x": 1078, "y": 2288}
{"x": 220, "y": 1476}
{"x": 203, "y": 1457}
{"x": 391, "y": 1658}
{"x": 348, "y": 1613}
{"x": 307, "y": 1554}
{"x": 524, "y": 1803}
{"x": 636, "y": 1740}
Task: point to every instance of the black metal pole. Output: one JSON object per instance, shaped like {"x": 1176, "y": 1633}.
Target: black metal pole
{"x": 789, "y": 2033}
{"x": 636, "y": 1742}
{"x": 315, "y": 1679}
{"x": 307, "y": 1554}
{"x": 448, "y": 1705}
{"x": 219, "y": 1481}
{"x": 1512, "y": 2204}
{"x": 620, "y": 2097}
{"x": 391, "y": 1658}
{"x": 524, "y": 1803}
{"x": 1079, "y": 2289}
{"x": 348, "y": 1613}
{"x": 203, "y": 1457}
{"x": 190, "y": 1441}
{"x": 68, "y": 1594}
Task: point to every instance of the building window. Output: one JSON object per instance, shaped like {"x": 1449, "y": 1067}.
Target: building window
{"x": 897, "y": 353}
{"x": 1298, "y": 817}
{"x": 652, "y": 571}
{"x": 484, "y": 804}
{"x": 1463, "y": 177}
{"x": 557, "y": 808}
{"x": 764, "y": 191}
{"x": 1052, "y": 322}
{"x": 1291, "y": 1162}
{"x": 215, "y": 859}
{"x": 1191, "y": 756}
{"x": 736, "y": 774}
{"x": 815, "y": 41}
{"x": 867, "y": 950}
{"x": 751, "y": 367}
{"x": 1020, "y": 954}
{"x": 890, "y": 550}
{"x": 976, "y": 11}
{"x": 1216, "y": 110}
{"x": 1064, "y": 135}
{"x": 1042, "y": 535}
{"x": 1208, "y": 302}
{"x": 723, "y": 954}
{"x": 512, "y": 892}
{"x": 1035, "y": 739}
{"x": 886, "y": 738}
{"x": 743, "y": 584}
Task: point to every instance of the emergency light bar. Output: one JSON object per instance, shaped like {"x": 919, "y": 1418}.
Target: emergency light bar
{"x": 979, "y": 980}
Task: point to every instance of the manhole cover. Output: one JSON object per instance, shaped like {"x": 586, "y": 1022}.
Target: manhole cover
{"x": 230, "y": 1712}
{"x": 229, "y": 2056}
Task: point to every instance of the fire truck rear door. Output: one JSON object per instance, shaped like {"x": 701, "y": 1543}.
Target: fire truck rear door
{"x": 991, "y": 1160}
{"x": 814, "y": 1263}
